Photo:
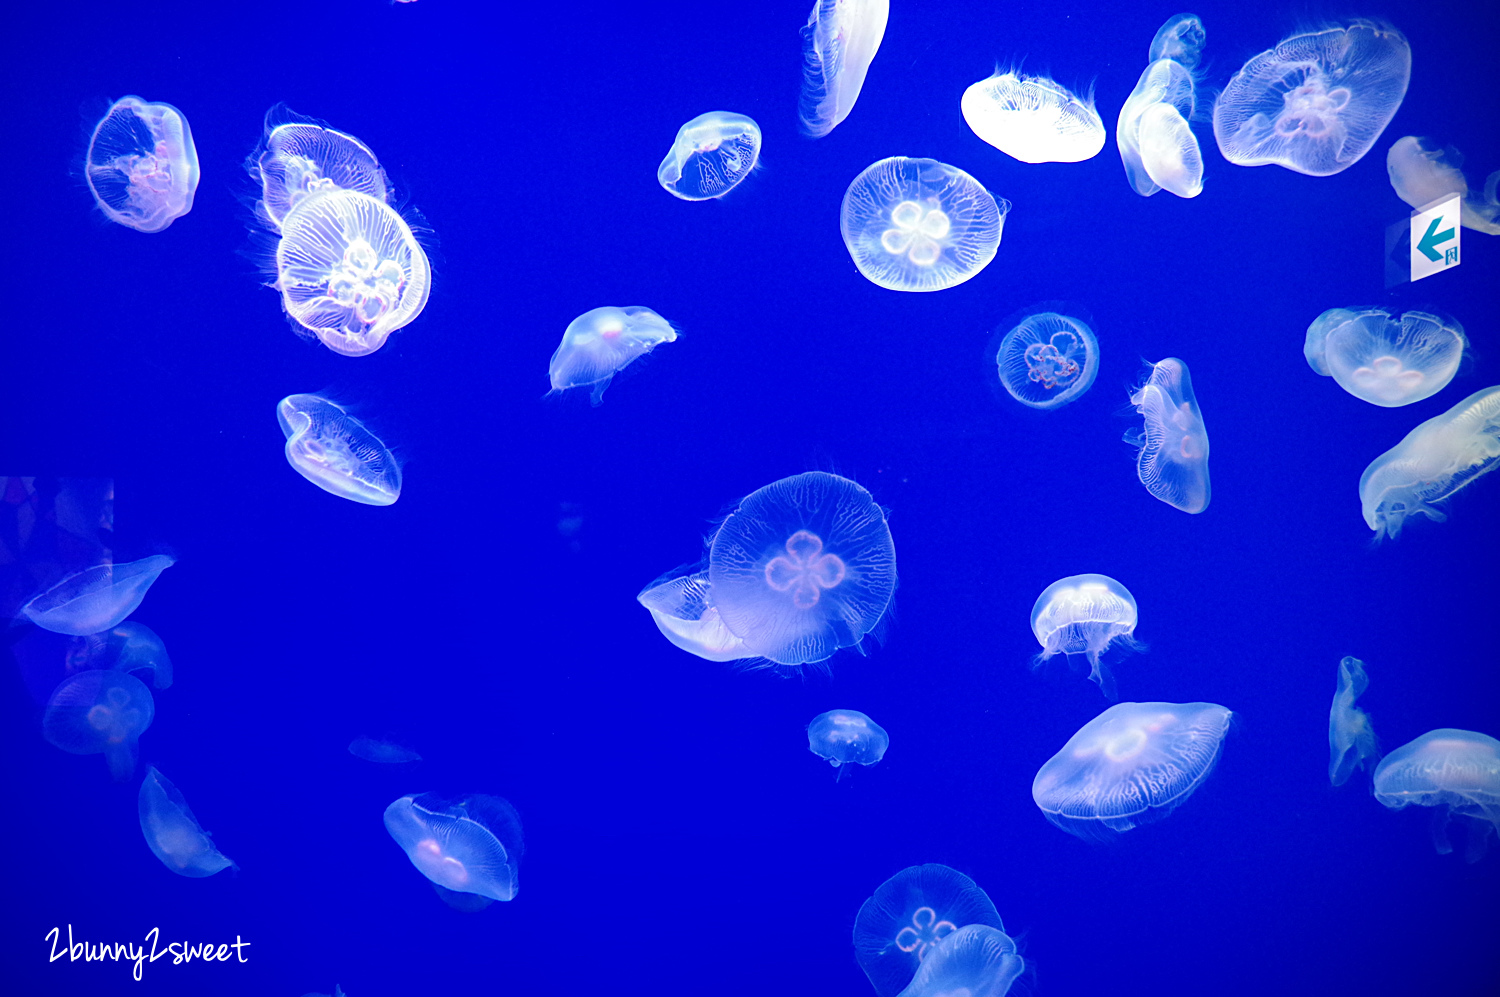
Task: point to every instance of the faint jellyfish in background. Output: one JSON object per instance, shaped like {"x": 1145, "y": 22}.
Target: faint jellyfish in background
{"x": 1132, "y": 764}
{"x": 470, "y": 848}
{"x": 803, "y": 567}
{"x": 1456, "y": 772}
{"x": 920, "y": 225}
{"x": 96, "y": 599}
{"x": 1384, "y": 358}
{"x": 142, "y": 166}
{"x": 974, "y": 961}
{"x": 383, "y": 752}
{"x": 911, "y": 913}
{"x": 1156, "y": 144}
{"x": 846, "y": 737}
{"x": 1033, "y": 119}
{"x": 1181, "y": 39}
{"x": 350, "y": 271}
{"x": 1422, "y": 173}
{"x": 334, "y": 450}
{"x": 1173, "y": 458}
{"x": 129, "y": 647}
{"x": 710, "y": 156}
{"x": 101, "y": 710}
{"x": 337, "y": 991}
{"x": 300, "y": 156}
{"x": 838, "y": 45}
{"x": 1048, "y": 360}
{"x": 601, "y": 342}
{"x": 1442, "y": 455}
{"x": 172, "y": 832}
{"x": 1351, "y": 739}
{"x": 679, "y": 603}
{"x": 1316, "y": 102}
{"x": 1085, "y": 614}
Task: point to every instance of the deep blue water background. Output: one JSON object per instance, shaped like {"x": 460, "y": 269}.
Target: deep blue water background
{"x": 680, "y": 838}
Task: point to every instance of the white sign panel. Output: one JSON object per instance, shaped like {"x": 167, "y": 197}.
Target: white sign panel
{"x": 1434, "y": 238}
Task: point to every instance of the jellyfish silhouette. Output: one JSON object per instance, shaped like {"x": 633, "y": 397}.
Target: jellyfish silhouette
{"x": 1048, "y": 360}
{"x": 301, "y": 156}
{"x": 1033, "y": 119}
{"x": 470, "y": 848}
{"x": 838, "y": 45}
{"x": 142, "y": 166}
{"x": 846, "y": 737}
{"x": 334, "y": 450}
{"x": 911, "y": 913}
{"x": 129, "y": 647}
{"x": 96, "y": 599}
{"x": 601, "y": 342}
{"x": 710, "y": 156}
{"x": 1457, "y": 773}
{"x": 1173, "y": 458}
{"x": 1085, "y": 614}
{"x": 1351, "y": 739}
{"x": 974, "y": 961}
{"x": 172, "y": 832}
{"x": 100, "y": 711}
{"x": 1385, "y": 358}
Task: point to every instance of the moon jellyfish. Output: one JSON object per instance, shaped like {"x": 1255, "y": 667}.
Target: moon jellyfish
{"x": 1033, "y": 119}
{"x": 710, "y": 156}
{"x": 301, "y": 156}
{"x": 1132, "y": 764}
{"x": 1048, "y": 360}
{"x": 974, "y": 961}
{"x": 1181, "y": 39}
{"x": 1351, "y": 739}
{"x": 100, "y": 711}
{"x": 803, "y": 567}
{"x": 129, "y": 647}
{"x": 1085, "y": 614}
{"x": 679, "y": 603}
{"x": 468, "y": 846}
{"x": 1433, "y": 461}
{"x": 172, "y": 832}
{"x": 1156, "y": 144}
{"x": 142, "y": 166}
{"x": 1384, "y": 358}
{"x": 96, "y": 599}
{"x": 1422, "y": 173}
{"x": 382, "y": 752}
{"x": 350, "y": 271}
{"x": 838, "y": 45}
{"x": 910, "y": 914}
{"x": 334, "y": 450}
{"x": 1457, "y": 772}
{"x": 1316, "y": 102}
{"x": 846, "y": 737}
{"x": 601, "y": 342}
{"x": 920, "y": 225}
{"x": 1173, "y": 458}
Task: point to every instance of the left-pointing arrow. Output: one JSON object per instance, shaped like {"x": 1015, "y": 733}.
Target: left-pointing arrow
{"x": 1432, "y": 238}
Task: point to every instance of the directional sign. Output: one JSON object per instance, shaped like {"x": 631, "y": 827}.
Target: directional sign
{"x": 1435, "y": 238}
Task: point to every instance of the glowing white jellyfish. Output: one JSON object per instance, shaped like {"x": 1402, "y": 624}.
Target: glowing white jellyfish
{"x": 1351, "y": 739}
{"x": 838, "y": 45}
{"x": 1421, "y": 172}
{"x": 142, "y": 166}
{"x": 1156, "y": 144}
{"x": 1085, "y": 614}
{"x": 101, "y": 711}
{"x": 974, "y": 961}
{"x": 846, "y": 737}
{"x": 1033, "y": 119}
{"x": 909, "y": 917}
{"x": 679, "y": 603}
{"x": 1180, "y": 39}
{"x": 300, "y": 156}
{"x": 1173, "y": 458}
{"x": 710, "y": 156}
{"x": 1456, "y": 772}
{"x": 1385, "y": 358}
{"x": 96, "y": 599}
{"x": 172, "y": 832}
{"x": 334, "y": 450}
{"x": 601, "y": 342}
{"x": 470, "y": 848}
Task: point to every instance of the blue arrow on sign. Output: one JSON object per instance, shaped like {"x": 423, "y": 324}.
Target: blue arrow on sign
{"x": 1432, "y": 238}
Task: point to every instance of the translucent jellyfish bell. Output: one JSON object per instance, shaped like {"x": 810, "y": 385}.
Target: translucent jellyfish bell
{"x": 920, "y": 225}
{"x": 1181, "y": 39}
{"x": 142, "y": 166}
{"x": 1351, "y": 739}
{"x": 838, "y": 45}
{"x": 382, "y": 752}
{"x": 679, "y": 603}
{"x": 350, "y": 271}
{"x": 1085, "y": 614}
{"x": 1442, "y": 455}
{"x": 100, "y": 711}
{"x": 172, "y": 832}
{"x": 334, "y": 450}
{"x": 1384, "y": 358}
{"x": 710, "y": 156}
{"x": 471, "y": 845}
{"x": 129, "y": 647}
{"x": 300, "y": 157}
{"x": 910, "y": 914}
{"x": 1173, "y": 458}
{"x": 1132, "y": 764}
{"x": 1048, "y": 360}
{"x": 1316, "y": 102}
{"x": 1422, "y": 173}
{"x": 601, "y": 342}
{"x": 1156, "y": 144}
{"x": 803, "y": 567}
{"x": 1033, "y": 119}
{"x": 96, "y": 599}
{"x": 1455, "y": 770}
{"x": 974, "y": 961}
{"x": 847, "y": 737}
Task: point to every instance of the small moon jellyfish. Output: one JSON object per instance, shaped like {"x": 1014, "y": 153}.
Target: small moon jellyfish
{"x": 838, "y": 45}
{"x": 301, "y": 156}
{"x": 710, "y": 156}
{"x": 382, "y": 752}
{"x": 803, "y": 567}
{"x": 974, "y": 961}
{"x": 1173, "y": 458}
{"x": 334, "y": 450}
{"x": 129, "y": 647}
{"x": 601, "y": 342}
{"x": 96, "y": 599}
{"x": 1456, "y": 772}
{"x": 1048, "y": 360}
{"x": 846, "y": 737}
{"x": 1351, "y": 739}
{"x": 350, "y": 271}
{"x": 172, "y": 832}
{"x": 1085, "y": 614}
{"x": 1181, "y": 39}
{"x": 1422, "y": 173}
{"x": 1440, "y": 456}
{"x": 100, "y": 711}
{"x": 1156, "y": 144}
{"x": 1033, "y": 119}
{"x": 920, "y": 225}
{"x": 1385, "y": 358}
{"x": 1132, "y": 764}
{"x": 679, "y": 603}
{"x": 470, "y": 848}
{"x": 142, "y": 166}
{"x": 910, "y": 914}
{"x": 1316, "y": 102}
